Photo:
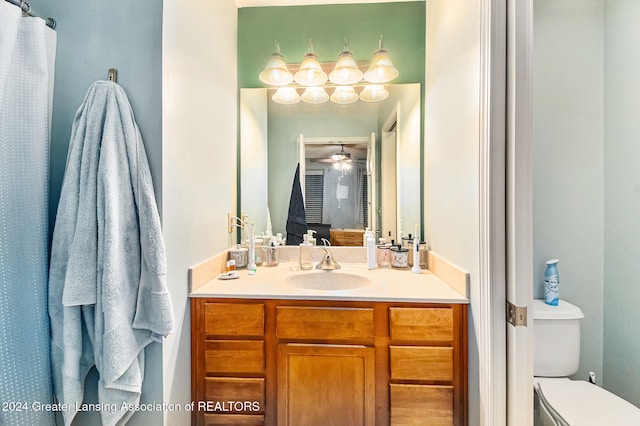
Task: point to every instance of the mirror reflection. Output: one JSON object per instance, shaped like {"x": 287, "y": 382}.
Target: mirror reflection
{"x": 360, "y": 164}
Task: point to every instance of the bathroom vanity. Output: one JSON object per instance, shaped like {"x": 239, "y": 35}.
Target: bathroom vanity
{"x": 267, "y": 350}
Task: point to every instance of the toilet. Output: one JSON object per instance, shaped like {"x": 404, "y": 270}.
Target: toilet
{"x": 556, "y": 356}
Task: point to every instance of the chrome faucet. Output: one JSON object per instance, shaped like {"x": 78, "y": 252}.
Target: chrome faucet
{"x": 327, "y": 262}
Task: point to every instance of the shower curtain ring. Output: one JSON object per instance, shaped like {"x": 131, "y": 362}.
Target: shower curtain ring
{"x": 24, "y": 3}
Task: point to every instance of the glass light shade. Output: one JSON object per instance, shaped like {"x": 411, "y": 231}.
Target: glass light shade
{"x": 374, "y": 93}
{"x": 344, "y": 95}
{"x": 286, "y": 96}
{"x": 276, "y": 73}
{"x": 310, "y": 72}
{"x": 346, "y": 70}
{"x": 315, "y": 95}
{"x": 338, "y": 157}
{"x": 343, "y": 165}
{"x": 381, "y": 70}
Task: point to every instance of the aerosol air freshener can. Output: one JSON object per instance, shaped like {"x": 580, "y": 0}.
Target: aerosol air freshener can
{"x": 551, "y": 283}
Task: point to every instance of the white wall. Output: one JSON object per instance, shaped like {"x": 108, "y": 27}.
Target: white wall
{"x": 452, "y": 126}
{"x": 199, "y": 160}
{"x": 407, "y": 97}
{"x": 253, "y": 162}
{"x": 568, "y": 160}
{"x": 622, "y": 198}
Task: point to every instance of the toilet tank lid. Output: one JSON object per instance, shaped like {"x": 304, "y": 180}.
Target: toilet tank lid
{"x": 564, "y": 310}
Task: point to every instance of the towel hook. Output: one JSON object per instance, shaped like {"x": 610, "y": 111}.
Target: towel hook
{"x": 112, "y": 75}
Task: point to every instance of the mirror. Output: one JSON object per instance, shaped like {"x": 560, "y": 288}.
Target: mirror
{"x": 274, "y": 137}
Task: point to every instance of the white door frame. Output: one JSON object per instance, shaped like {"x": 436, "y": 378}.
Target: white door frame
{"x": 519, "y": 210}
{"x": 506, "y": 396}
{"x": 492, "y": 265}
{"x": 505, "y": 212}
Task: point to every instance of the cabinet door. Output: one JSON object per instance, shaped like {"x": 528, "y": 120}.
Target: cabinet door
{"x": 326, "y": 385}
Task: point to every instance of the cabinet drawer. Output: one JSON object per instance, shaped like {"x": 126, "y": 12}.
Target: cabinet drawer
{"x": 294, "y": 322}
{"x": 234, "y": 319}
{"x": 421, "y": 363}
{"x": 248, "y": 392}
{"x": 234, "y": 356}
{"x": 421, "y": 405}
{"x": 233, "y": 419}
{"x": 429, "y": 324}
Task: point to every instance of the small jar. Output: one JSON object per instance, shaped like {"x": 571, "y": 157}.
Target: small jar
{"x": 271, "y": 258}
{"x": 424, "y": 255}
{"x": 399, "y": 257}
{"x": 383, "y": 256}
{"x": 239, "y": 254}
{"x": 231, "y": 265}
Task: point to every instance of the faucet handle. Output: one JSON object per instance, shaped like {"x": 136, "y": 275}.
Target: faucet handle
{"x": 327, "y": 262}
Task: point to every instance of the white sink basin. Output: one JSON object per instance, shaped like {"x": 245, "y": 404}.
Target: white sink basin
{"x": 327, "y": 280}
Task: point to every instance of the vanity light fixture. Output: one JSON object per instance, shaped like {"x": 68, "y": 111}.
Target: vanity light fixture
{"x": 276, "y": 73}
{"x": 315, "y": 95}
{"x": 310, "y": 72}
{"x": 286, "y": 95}
{"x": 346, "y": 70}
{"x": 344, "y": 95}
{"x": 381, "y": 69}
{"x": 374, "y": 93}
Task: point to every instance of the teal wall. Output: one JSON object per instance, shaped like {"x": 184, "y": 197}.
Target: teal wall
{"x": 401, "y": 24}
{"x": 93, "y": 37}
{"x": 568, "y": 163}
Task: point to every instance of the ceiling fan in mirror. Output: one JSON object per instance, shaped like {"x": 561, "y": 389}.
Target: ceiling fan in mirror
{"x": 341, "y": 160}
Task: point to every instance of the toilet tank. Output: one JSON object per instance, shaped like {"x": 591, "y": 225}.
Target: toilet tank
{"x": 556, "y": 339}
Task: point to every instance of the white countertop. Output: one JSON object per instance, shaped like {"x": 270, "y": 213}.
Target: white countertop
{"x": 387, "y": 284}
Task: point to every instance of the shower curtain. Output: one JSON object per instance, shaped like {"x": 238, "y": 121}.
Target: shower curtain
{"x": 27, "y": 54}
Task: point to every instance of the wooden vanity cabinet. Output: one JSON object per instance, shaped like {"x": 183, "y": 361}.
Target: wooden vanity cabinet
{"x": 294, "y": 362}
{"x": 346, "y": 237}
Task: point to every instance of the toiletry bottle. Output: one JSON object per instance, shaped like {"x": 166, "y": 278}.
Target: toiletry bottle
{"x": 371, "y": 252}
{"x": 272, "y": 253}
{"x": 424, "y": 255}
{"x": 367, "y": 234}
{"x": 551, "y": 283}
{"x": 312, "y": 240}
{"x": 306, "y": 253}
{"x": 416, "y": 256}
{"x": 251, "y": 255}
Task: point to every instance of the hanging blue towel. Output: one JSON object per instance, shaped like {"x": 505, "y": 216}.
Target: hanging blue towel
{"x": 108, "y": 295}
{"x": 296, "y": 220}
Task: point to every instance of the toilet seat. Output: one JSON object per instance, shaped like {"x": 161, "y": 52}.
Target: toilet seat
{"x": 579, "y": 403}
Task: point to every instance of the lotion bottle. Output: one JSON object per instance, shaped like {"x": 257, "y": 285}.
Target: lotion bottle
{"x": 251, "y": 266}
{"x": 371, "y": 253}
{"x": 306, "y": 253}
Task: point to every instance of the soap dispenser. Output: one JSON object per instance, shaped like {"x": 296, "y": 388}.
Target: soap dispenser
{"x": 306, "y": 253}
{"x": 312, "y": 240}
